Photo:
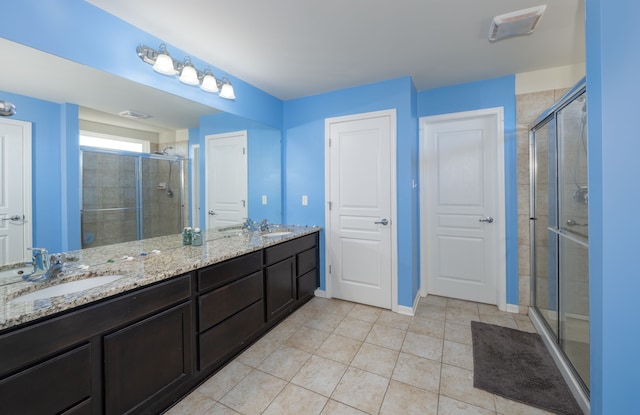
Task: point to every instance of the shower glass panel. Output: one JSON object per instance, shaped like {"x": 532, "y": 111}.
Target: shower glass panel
{"x": 573, "y": 234}
{"x": 545, "y": 245}
{"x": 127, "y": 196}
{"x": 109, "y": 193}
{"x": 161, "y": 197}
{"x": 559, "y": 230}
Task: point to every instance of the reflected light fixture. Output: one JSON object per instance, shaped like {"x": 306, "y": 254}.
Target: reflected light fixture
{"x": 163, "y": 63}
{"x": 7, "y": 109}
{"x": 518, "y": 23}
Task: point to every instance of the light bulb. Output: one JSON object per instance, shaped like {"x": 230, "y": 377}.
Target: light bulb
{"x": 164, "y": 65}
{"x": 209, "y": 83}
{"x": 226, "y": 91}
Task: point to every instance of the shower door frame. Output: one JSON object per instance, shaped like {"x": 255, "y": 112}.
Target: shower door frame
{"x": 570, "y": 374}
{"x": 138, "y": 169}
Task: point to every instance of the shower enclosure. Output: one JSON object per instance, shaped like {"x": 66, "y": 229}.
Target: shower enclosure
{"x": 559, "y": 226}
{"x": 129, "y": 196}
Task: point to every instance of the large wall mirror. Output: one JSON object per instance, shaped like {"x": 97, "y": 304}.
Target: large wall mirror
{"x": 84, "y": 197}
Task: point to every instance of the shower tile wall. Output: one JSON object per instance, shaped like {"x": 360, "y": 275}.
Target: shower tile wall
{"x": 180, "y": 148}
{"x": 529, "y": 107}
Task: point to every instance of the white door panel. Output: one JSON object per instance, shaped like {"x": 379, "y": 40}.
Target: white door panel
{"x": 460, "y": 178}
{"x": 360, "y": 190}
{"x": 226, "y": 178}
{"x": 15, "y": 191}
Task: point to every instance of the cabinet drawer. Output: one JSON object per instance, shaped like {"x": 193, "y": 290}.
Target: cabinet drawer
{"x": 307, "y": 284}
{"x": 225, "y": 301}
{"x": 307, "y": 261}
{"x": 49, "y": 387}
{"x": 228, "y": 337}
{"x": 287, "y": 249}
{"x": 227, "y": 271}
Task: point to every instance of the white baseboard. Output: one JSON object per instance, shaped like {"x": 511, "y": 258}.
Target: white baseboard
{"x": 513, "y": 308}
{"x": 410, "y": 311}
{"x": 320, "y": 293}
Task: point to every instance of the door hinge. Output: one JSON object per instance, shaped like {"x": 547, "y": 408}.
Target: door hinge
{"x": 329, "y": 269}
{"x": 330, "y": 204}
{"x": 329, "y": 142}
{"x": 244, "y": 150}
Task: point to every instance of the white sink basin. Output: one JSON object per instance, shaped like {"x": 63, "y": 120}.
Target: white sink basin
{"x": 279, "y": 233}
{"x": 67, "y": 288}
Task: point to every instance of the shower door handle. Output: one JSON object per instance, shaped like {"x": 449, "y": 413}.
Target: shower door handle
{"x": 211, "y": 212}
{"x": 488, "y": 219}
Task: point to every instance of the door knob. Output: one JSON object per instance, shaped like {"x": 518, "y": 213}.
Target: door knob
{"x": 14, "y": 217}
{"x": 488, "y": 219}
{"x": 211, "y": 212}
{"x": 382, "y": 222}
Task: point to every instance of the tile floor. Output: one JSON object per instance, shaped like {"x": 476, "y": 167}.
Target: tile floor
{"x": 334, "y": 357}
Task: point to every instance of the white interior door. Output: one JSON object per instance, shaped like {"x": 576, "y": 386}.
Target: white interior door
{"x": 461, "y": 162}
{"x": 360, "y": 155}
{"x": 226, "y": 178}
{"x": 15, "y": 191}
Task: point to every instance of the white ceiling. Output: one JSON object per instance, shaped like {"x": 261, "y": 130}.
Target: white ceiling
{"x": 297, "y": 48}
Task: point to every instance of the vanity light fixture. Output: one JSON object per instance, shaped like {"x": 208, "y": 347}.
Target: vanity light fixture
{"x": 163, "y": 63}
{"x": 209, "y": 82}
{"x": 226, "y": 91}
{"x": 189, "y": 75}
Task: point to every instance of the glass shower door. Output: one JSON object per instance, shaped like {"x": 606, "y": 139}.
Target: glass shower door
{"x": 543, "y": 220}
{"x": 161, "y": 195}
{"x": 573, "y": 235}
{"x": 559, "y": 230}
{"x": 109, "y": 208}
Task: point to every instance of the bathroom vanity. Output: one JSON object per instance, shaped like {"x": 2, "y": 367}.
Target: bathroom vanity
{"x": 141, "y": 343}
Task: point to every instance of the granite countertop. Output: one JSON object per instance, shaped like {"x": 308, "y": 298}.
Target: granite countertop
{"x": 140, "y": 262}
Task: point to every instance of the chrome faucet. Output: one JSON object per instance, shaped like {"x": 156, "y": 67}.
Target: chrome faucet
{"x": 252, "y": 225}
{"x": 45, "y": 266}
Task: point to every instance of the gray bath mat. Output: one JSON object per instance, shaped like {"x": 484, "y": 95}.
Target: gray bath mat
{"x": 516, "y": 365}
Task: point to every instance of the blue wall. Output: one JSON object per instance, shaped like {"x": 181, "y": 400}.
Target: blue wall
{"x": 264, "y": 163}
{"x": 613, "y": 89}
{"x": 304, "y": 160}
{"x": 491, "y": 93}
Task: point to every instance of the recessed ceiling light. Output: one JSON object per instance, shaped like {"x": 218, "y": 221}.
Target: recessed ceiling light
{"x": 136, "y": 115}
{"x": 518, "y": 23}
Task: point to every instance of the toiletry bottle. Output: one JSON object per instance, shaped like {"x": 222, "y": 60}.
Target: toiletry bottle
{"x": 196, "y": 237}
{"x": 186, "y": 236}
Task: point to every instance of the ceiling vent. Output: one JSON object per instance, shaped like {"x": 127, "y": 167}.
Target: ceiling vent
{"x": 518, "y": 23}
{"x": 136, "y": 115}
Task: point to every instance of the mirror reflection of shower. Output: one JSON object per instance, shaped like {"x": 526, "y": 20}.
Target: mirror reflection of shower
{"x": 581, "y": 194}
{"x": 165, "y": 152}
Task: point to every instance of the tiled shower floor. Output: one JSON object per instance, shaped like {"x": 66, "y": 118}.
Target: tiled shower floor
{"x": 334, "y": 357}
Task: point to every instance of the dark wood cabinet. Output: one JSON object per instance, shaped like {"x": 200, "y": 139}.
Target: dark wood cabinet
{"x": 146, "y": 359}
{"x": 230, "y": 308}
{"x": 140, "y": 351}
{"x": 280, "y": 283}
{"x": 56, "y": 385}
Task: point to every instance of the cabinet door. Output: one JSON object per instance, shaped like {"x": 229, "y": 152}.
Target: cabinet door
{"x": 280, "y": 284}
{"x": 147, "y": 359}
